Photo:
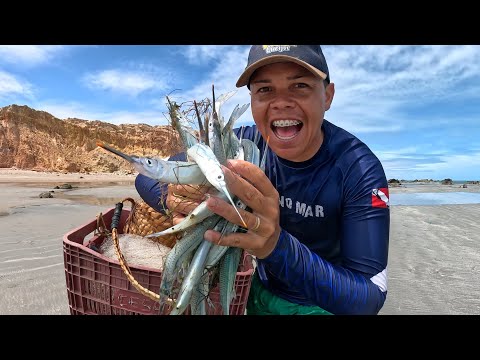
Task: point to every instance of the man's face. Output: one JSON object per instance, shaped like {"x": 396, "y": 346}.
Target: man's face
{"x": 288, "y": 105}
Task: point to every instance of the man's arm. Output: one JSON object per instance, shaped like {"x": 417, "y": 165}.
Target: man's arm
{"x": 358, "y": 285}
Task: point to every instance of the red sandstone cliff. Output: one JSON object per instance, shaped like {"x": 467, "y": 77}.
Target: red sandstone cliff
{"x": 36, "y": 140}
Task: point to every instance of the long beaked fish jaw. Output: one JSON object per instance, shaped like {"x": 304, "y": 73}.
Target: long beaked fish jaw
{"x": 136, "y": 163}
{"x": 133, "y": 160}
{"x": 224, "y": 190}
{"x": 116, "y": 152}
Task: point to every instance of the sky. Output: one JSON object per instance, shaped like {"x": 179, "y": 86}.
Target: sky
{"x": 416, "y": 107}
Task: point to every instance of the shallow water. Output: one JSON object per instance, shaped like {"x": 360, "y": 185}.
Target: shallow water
{"x": 426, "y": 198}
{"x": 92, "y": 200}
{"x": 75, "y": 184}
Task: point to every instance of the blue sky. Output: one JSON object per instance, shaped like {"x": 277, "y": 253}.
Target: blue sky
{"x": 417, "y": 107}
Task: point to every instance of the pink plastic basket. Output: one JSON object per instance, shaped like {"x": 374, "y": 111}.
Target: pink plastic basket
{"x": 97, "y": 285}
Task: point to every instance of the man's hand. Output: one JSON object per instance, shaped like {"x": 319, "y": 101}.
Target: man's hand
{"x": 250, "y": 184}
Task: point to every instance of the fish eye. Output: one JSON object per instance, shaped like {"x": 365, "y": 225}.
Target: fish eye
{"x": 149, "y": 162}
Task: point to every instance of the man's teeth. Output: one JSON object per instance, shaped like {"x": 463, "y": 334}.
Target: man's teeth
{"x": 284, "y": 123}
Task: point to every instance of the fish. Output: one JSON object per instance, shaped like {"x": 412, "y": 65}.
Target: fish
{"x": 205, "y": 158}
{"x": 166, "y": 171}
{"x": 194, "y": 265}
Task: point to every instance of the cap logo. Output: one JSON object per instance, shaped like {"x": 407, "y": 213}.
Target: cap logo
{"x": 276, "y": 48}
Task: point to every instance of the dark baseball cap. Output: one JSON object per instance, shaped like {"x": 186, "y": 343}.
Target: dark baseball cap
{"x": 309, "y": 56}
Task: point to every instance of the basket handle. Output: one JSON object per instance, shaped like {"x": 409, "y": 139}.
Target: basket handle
{"x": 132, "y": 213}
{"x": 116, "y": 215}
{"x": 126, "y": 269}
{"x": 121, "y": 259}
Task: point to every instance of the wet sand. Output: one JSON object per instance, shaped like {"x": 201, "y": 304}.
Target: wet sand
{"x": 32, "y": 275}
{"x": 434, "y": 258}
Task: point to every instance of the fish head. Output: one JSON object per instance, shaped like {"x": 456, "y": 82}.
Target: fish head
{"x": 144, "y": 165}
{"x": 147, "y": 166}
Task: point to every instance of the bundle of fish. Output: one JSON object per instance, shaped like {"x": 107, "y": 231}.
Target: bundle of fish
{"x": 193, "y": 263}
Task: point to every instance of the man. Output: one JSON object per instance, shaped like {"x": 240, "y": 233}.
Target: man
{"x": 319, "y": 220}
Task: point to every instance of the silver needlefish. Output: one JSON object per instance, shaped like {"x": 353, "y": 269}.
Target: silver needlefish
{"x": 231, "y": 141}
{"x": 180, "y": 124}
{"x": 205, "y": 158}
{"x": 217, "y": 104}
{"x": 179, "y": 172}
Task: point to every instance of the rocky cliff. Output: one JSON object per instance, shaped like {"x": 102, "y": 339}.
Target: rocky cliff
{"x": 36, "y": 140}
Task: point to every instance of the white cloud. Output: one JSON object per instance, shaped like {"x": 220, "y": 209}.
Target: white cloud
{"x": 223, "y": 76}
{"x": 201, "y": 54}
{"x": 126, "y": 82}
{"x": 11, "y": 86}
{"x": 406, "y": 152}
{"x": 80, "y": 111}
{"x": 452, "y": 161}
{"x": 29, "y": 55}
{"x": 454, "y": 166}
{"x": 411, "y": 68}
{"x": 375, "y": 82}
{"x": 144, "y": 117}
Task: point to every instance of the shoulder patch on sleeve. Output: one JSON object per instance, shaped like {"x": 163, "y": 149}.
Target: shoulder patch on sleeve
{"x": 380, "y": 198}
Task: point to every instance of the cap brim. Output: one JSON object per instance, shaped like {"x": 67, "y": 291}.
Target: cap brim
{"x": 245, "y": 77}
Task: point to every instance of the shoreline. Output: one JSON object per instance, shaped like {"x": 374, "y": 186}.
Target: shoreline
{"x": 433, "y": 188}
{"x": 19, "y": 175}
{"x": 21, "y": 189}
{"x": 9, "y": 175}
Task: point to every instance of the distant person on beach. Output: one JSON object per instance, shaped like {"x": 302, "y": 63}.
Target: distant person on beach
{"x": 320, "y": 218}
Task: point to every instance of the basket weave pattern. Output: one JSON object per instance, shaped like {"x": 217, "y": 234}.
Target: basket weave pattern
{"x": 145, "y": 220}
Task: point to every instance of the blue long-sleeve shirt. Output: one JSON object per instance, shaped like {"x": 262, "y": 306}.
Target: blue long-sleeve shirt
{"x": 333, "y": 248}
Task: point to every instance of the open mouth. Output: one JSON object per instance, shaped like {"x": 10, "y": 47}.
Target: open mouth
{"x": 286, "y": 129}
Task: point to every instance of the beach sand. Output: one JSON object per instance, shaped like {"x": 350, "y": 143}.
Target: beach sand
{"x": 32, "y": 272}
{"x": 434, "y": 260}
{"x": 434, "y": 256}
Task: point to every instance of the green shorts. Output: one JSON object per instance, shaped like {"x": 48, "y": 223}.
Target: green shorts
{"x": 263, "y": 302}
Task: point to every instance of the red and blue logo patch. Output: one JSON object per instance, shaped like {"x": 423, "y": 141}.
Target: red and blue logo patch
{"x": 380, "y": 198}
